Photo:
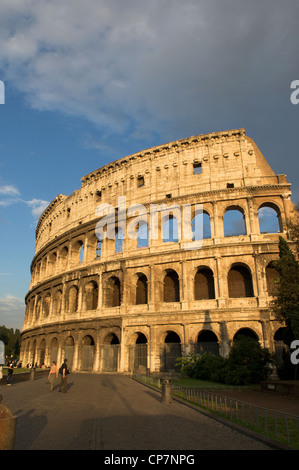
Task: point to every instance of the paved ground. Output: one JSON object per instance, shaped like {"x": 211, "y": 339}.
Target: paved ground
{"x": 107, "y": 412}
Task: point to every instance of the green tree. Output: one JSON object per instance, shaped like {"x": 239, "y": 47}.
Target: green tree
{"x": 286, "y": 293}
{"x": 11, "y": 340}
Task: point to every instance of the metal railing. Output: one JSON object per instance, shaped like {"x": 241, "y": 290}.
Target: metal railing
{"x": 274, "y": 424}
{"x": 148, "y": 380}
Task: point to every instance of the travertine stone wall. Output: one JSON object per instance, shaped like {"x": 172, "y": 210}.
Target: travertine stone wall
{"x": 84, "y": 303}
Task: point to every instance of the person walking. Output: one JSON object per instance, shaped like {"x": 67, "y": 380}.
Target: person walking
{"x": 63, "y": 371}
{"x": 52, "y": 375}
{"x": 9, "y": 374}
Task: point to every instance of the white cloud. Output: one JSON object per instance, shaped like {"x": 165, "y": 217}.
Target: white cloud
{"x": 12, "y": 310}
{"x": 9, "y": 195}
{"x": 134, "y": 66}
{"x": 10, "y": 302}
{"x": 37, "y": 207}
{"x": 9, "y": 190}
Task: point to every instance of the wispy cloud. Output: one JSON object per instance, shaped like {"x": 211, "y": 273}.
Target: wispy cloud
{"x": 12, "y": 311}
{"x": 37, "y": 206}
{"x": 9, "y": 190}
{"x": 10, "y": 302}
{"x": 9, "y": 195}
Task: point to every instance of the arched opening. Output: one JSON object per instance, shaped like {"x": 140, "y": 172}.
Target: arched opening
{"x": 42, "y": 352}
{"x": 63, "y": 258}
{"x": 170, "y": 230}
{"x": 81, "y": 252}
{"x": 269, "y": 218}
{"x": 38, "y": 308}
{"x": 272, "y": 276}
{"x": 138, "y": 353}
{"x": 73, "y": 295}
{"x": 69, "y": 351}
{"x": 207, "y": 343}
{"x": 91, "y": 296}
{"x": 33, "y": 353}
{"x": 46, "y": 305}
{"x": 99, "y": 248}
{"x": 142, "y": 235}
{"x": 52, "y": 264}
{"x": 171, "y": 287}
{"x": 234, "y": 222}
{"x": 240, "y": 282}
{"x": 204, "y": 284}
{"x": 119, "y": 241}
{"x": 170, "y": 352}
{"x": 53, "y": 350}
{"x": 199, "y": 232}
{"x": 247, "y": 332}
{"x": 141, "y": 290}
{"x": 87, "y": 356}
{"x": 110, "y": 356}
{"x": 280, "y": 346}
{"x": 113, "y": 292}
{"x": 57, "y": 302}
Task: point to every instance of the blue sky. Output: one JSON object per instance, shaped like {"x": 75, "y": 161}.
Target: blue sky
{"x": 87, "y": 82}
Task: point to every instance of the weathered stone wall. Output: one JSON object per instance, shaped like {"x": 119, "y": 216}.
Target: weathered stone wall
{"x": 87, "y": 305}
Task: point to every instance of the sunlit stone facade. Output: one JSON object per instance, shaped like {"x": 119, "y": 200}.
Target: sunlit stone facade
{"x": 124, "y": 304}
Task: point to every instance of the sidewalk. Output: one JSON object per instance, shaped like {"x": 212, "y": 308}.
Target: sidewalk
{"x": 107, "y": 412}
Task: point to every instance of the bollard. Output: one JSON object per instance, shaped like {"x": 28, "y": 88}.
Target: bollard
{"x": 8, "y": 424}
{"x": 166, "y": 391}
{"x": 32, "y": 374}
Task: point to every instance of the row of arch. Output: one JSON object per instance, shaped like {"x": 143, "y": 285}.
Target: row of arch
{"x": 239, "y": 279}
{"x": 86, "y": 249}
{"x": 86, "y": 355}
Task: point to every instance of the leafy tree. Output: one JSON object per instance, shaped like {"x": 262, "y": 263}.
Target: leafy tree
{"x": 12, "y": 341}
{"x": 286, "y": 293}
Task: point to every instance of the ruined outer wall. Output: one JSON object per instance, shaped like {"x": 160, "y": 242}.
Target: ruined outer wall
{"x": 234, "y": 174}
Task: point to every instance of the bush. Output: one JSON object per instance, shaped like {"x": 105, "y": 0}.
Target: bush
{"x": 246, "y": 364}
{"x": 203, "y": 366}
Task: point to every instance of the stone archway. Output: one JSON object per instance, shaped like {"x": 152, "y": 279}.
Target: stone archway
{"x": 110, "y": 353}
{"x": 87, "y": 353}
{"x": 207, "y": 342}
{"x": 170, "y": 352}
{"x": 138, "y": 353}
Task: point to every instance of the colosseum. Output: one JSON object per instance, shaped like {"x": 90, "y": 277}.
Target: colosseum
{"x": 122, "y": 303}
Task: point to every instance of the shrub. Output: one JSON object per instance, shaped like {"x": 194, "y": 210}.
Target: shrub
{"x": 246, "y": 364}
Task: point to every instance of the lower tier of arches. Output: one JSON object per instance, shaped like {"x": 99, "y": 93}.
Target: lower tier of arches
{"x": 115, "y": 345}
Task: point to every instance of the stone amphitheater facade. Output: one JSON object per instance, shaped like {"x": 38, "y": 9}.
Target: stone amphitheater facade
{"x": 133, "y": 303}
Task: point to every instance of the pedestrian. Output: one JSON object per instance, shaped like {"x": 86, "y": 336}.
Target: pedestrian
{"x": 63, "y": 371}
{"x": 52, "y": 375}
{"x": 1, "y": 373}
{"x": 9, "y": 374}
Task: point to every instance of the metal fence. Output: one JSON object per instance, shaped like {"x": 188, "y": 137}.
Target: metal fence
{"x": 274, "y": 424}
{"x": 279, "y": 426}
{"x": 148, "y": 380}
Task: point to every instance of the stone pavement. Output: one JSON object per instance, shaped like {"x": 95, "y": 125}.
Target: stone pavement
{"x": 107, "y": 412}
